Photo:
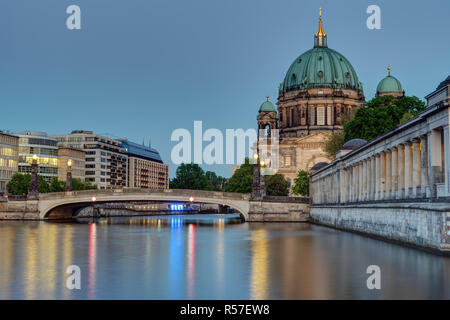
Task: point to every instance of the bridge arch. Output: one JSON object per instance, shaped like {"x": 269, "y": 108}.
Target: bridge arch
{"x": 52, "y": 202}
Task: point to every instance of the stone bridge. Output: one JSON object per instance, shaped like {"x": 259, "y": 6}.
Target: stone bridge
{"x": 64, "y": 204}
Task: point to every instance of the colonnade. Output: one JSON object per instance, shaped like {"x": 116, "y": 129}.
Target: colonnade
{"x": 404, "y": 169}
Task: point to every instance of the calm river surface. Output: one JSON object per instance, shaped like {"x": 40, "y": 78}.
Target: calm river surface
{"x": 209, "y": 257}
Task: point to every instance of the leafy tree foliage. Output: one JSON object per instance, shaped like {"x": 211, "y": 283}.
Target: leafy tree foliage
{"x": 334, "y": 143}
{"x": 189, "y": 176}
{"x": 77, "y": 184}
{"x": 276, "y": 185}
{"x": 43, "y": 187}
{"x": 301, "y": 183}
{"x": 56, "y": 185}
{"x": 380, "y": 115}
{"x": 215, "y": 182}
{"x": 242, "y": 179}
{"x": 20, "y": 183}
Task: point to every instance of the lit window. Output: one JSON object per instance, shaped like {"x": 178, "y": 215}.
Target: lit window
{"x": 287, "y": 161}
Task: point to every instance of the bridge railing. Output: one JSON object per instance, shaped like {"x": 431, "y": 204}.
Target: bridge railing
{"x": 175, "y": 192}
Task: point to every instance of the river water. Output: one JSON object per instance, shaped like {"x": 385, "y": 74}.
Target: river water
{"x": 209, "y": 257}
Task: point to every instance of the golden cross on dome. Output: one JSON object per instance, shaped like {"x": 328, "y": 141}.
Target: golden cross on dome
{"x": 389, "y": 70}
{"x": 267, "y": 98}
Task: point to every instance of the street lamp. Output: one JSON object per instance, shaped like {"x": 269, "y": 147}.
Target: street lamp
{"x": 33, "y": 190}
{"x": 69, "y": 175}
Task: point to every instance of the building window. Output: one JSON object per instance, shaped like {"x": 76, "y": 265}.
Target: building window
{"x": 287, "y": 161}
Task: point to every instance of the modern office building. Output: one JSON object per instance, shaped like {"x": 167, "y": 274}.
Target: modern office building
{"x": 106, "y": 165}
{"x": 40, "y": 144}
{"x": 9, "y": 158}
{"x": 77, "y": 158}
{"x": 145, "y": 167}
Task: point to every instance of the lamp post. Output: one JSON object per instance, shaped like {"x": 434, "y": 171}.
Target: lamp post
{"x": 33, "y": 190}
{"x": 69, "y": 175}
{"x": 262, "y": 183}
{"x": 256, "y": 194}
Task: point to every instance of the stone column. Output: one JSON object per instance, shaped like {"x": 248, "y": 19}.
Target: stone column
{"x": 341, "y": 185}
{"x": 382, "y": 175}
{"x": 372, "y": 178}
{"x": 447, "y": 159}
{"x": 408, "y": 168}
{"x": 394, "y": 170}
{"x": 425, "y": 189}
{"x": 361, "y": 180}
{"x": 401, "y": 171}
{"x": 388, "y": 185}
{"x": 351, "y": 184}
{"x": 377, "y": 177}
{"x": 366, "y": 197}
{"x": 434, "y": 160}
{"x": 415, "y": 166}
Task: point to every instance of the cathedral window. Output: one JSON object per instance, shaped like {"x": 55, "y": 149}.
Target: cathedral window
{"x": 287, "y": 161}
{"x": 312, "y": 116}
{"x": 320, "y": 116}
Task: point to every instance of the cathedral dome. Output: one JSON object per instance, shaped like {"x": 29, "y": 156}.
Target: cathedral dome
{"x": 389, "y": 84}
{"x": 267, "y": 106}
{"x": 320, "y": 67}
{"x": 353, "y": 144}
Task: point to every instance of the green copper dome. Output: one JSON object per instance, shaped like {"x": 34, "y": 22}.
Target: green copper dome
{"x": 267, "y": 106}
{"x": 320, "y": 67}
{"x": 389, "y": 84}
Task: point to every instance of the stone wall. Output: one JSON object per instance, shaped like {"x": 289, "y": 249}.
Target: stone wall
{"x": 420, "y": 224}
{"x": 19, "y": 210}
{"x": 273, "y": 211}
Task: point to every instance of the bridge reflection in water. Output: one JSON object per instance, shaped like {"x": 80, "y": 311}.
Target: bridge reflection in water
{"x": 208, "y": 257}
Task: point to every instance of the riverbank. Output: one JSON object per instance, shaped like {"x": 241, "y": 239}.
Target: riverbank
{"x": 423, "y": 225}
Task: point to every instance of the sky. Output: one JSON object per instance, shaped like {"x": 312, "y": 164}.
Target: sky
{"x": 143, "y": 68}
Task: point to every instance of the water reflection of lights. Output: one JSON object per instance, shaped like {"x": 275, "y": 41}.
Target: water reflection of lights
{"x": 176, "y": 223}
{"x": 30, "y": 266}
{"x": 176, "y": 258}
{"x": 92, "y": 253}
{"x": 67, "y": 255}
{"x": 191, "y": 261}
{"x": 259, "y": 265}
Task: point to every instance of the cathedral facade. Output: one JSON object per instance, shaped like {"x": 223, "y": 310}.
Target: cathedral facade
{"x": 319, "y": 88}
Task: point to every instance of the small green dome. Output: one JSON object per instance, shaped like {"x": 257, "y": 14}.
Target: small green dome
{"x": 267, "y": 106}
{"x": 389, "y": 84}
{"x": 320, "y": 67}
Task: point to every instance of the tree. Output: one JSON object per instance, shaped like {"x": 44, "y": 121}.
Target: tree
{"x": 242, "y": 179}
{"x": 380, "y": 115}
{"x": 56, "y": 185}
{"x": 276, "y": 185}
{"x": 334, "y": 143}
{"x": 77, "y": 185}
{"x": 43, "y": 185}
{"x": 18, "y": 184}
{"x": 189, "y": 176}
{"x": 215, "y": 182}
{"x": 301, "y": 183}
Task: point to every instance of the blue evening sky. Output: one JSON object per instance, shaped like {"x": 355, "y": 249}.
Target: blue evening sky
{"x": 146, "y": 67}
